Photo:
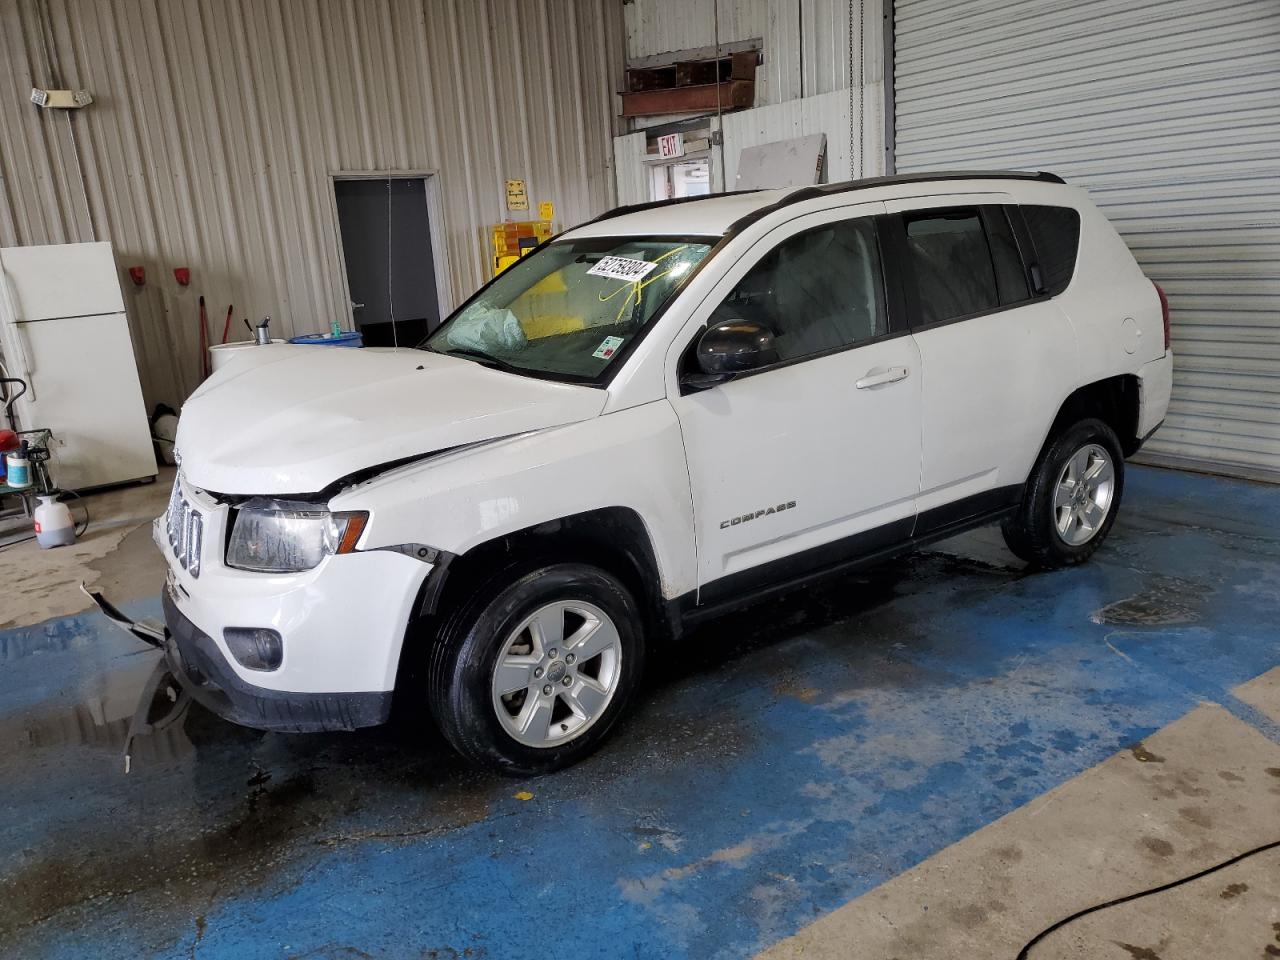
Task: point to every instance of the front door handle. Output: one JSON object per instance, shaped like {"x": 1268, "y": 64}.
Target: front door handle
{"x": 882, "y": 375}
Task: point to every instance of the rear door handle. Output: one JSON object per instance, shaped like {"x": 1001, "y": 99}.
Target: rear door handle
{"x": 882, "y": 375}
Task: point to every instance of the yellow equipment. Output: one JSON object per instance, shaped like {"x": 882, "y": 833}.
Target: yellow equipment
{"x": 514, "y": 238}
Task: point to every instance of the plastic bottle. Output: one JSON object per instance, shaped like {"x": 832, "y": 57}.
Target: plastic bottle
{"x": 19, "y": 468}
{"x": 54, "y": 526}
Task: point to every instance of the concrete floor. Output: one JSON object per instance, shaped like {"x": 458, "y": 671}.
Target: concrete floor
{"x": 938, "y": 758}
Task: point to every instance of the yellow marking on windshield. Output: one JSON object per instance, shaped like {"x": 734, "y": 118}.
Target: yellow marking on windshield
{"x": 644, "y": 283}
{"x": 636, "y": 287}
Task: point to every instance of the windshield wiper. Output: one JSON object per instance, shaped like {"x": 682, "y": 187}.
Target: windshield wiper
{"x": 488, "y": 359}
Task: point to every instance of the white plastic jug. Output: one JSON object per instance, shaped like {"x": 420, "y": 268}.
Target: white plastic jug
{"x": 54, "y": 526}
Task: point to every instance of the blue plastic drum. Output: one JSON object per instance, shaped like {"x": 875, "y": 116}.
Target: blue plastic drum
{"x": 350, "y": 339}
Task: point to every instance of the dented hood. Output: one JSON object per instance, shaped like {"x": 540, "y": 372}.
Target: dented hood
{"x": 285, "y": 419}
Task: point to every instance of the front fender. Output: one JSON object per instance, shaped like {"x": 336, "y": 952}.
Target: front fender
{"x": 633, "y": 458}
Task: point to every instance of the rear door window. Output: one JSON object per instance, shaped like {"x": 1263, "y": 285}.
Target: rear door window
{"x": 1055, "y": 233}
{"x": 951, "y": 263}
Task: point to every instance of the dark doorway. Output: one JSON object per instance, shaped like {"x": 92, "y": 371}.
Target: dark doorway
{"x": 391, "y": 270}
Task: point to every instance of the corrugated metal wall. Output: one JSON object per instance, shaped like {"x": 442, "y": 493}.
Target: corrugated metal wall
{"x": 661, "y": 26}
{"x": 1169, "y": 113}
{"x": 629, "y": 168}
{"x": 806, "y": 42}
{"x": 218, "y": 125}
{"x": 802, "y": 86}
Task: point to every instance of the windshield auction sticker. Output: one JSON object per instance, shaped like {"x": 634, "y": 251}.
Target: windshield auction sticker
{"x": 621, "y": 268}
{"x": 608, "y": 347}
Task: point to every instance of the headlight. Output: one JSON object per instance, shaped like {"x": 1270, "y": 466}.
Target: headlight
{"x": 278, "y": 536}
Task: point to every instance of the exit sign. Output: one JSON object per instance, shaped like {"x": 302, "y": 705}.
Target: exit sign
{"x": 671, "y": 146}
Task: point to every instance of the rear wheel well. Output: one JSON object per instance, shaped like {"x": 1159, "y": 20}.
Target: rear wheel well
{"x": 1115, "y": 401}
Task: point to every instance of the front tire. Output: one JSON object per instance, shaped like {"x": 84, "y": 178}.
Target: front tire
{"x": 1070, "y": 501}
{"x": 534, "y": 674}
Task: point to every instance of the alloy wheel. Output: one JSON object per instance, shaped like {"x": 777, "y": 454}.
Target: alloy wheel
{"x": 1083, "y": 495}
{"x": 557, "y": 673}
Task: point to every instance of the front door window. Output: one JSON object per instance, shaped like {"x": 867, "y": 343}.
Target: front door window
{"x": 817, "y": 291}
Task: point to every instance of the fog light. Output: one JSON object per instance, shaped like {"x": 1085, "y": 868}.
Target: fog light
{"x": 257, "y": 648}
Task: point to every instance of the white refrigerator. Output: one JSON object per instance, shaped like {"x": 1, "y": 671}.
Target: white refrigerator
{"x": 64, "y": 331}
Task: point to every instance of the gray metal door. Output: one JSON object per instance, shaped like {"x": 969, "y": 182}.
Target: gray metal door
{"x": 391, "y": 271}
{"x": 1168, "y": 111}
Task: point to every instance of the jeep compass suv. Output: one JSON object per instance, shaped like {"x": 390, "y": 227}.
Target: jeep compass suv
{"x": 656, "y": 416}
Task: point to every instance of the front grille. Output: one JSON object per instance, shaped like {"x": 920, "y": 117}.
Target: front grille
{"x": 185, "y": 527}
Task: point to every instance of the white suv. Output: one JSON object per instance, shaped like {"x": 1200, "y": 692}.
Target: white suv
{"x": 659, "y": 415}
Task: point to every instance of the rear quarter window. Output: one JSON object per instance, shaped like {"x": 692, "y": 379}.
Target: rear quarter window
{"x": 1055, "y": 233}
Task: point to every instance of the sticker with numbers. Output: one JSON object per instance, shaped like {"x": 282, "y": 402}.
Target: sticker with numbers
{"x": 622, "y": 268}
{"x": 608, "y": 347}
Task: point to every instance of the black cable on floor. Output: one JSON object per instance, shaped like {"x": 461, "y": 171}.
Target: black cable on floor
{"x": 80, "y": 532}
{"x": 1025, "y": 951}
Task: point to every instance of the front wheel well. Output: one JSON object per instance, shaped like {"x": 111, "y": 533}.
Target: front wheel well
{"x": 614, "y": 539}
{"x": 1115, "y": 401}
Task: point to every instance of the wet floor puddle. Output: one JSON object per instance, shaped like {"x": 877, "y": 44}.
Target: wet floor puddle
{"x": 1166, "y": 601}
{"x": 210, "y": 807}
{"x": 232, "y": 805}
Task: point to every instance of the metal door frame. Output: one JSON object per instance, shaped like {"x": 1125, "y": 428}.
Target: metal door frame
{"x": 435, "y": 215}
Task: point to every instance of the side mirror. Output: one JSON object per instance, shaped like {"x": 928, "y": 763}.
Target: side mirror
{"x": 729, "y": 348}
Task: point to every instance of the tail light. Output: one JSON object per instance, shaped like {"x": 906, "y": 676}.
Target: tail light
{"x": 1164, "y": 312}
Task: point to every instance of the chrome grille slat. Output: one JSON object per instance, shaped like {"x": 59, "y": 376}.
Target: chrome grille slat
{"x": 185, "y": 527}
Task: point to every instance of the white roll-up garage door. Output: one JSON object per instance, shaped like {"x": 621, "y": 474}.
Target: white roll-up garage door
{"x": 1169, "y": 113}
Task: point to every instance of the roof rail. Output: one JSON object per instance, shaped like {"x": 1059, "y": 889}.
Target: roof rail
{"x": 848, "y": 186}
{"x": 654, "y": 204}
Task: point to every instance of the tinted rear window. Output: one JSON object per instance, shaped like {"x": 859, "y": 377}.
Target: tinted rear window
{"x": 1055, "y": 231}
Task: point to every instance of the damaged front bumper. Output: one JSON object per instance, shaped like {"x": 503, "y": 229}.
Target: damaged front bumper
{"x": 199, "y": 667}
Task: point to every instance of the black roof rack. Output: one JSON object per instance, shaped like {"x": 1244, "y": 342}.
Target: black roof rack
{"x": 825, "y": 189}
{"x": 654, "y": 204}
{"x": 847, "y": 186}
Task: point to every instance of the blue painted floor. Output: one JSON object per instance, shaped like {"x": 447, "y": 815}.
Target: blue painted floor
{"x": 785, "y": 761}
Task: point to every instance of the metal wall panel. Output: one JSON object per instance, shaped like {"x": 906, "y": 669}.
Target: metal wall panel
{"x": 218, "y": 125}
{"x": 1168, "y": 111}
{"x": 827, "y": 114}
{"x": 806, "y": 42}
{"x": 824, "y": 46}
{"x": 662, "y": 26}
{"x": 803, "y": 84}
{"x": 629, "y": 168}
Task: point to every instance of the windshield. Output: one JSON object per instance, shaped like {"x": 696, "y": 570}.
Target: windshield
{"x": 569, "y": 309}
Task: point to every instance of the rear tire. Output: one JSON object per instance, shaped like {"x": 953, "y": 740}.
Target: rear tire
{"x": 534, "y": 673}
{"x": 1071, "y": 498}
